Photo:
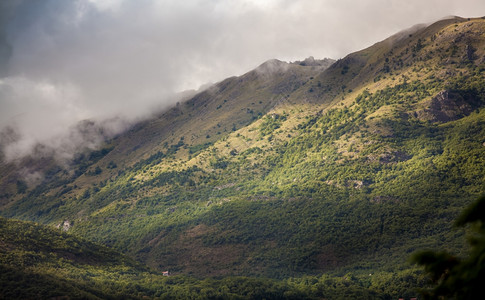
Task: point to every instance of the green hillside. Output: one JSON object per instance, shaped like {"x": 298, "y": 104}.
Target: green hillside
{"x": 338, "y": 172}
{"x": 39, "y": 263}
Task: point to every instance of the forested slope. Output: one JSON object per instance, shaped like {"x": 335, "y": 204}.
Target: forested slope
{"x": 292, "y": 169}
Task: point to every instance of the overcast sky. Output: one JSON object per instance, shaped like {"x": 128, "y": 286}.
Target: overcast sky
{"x": 71, "y": 60}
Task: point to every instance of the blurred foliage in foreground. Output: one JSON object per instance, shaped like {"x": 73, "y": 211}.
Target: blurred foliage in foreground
{"x": 459, "y": 278}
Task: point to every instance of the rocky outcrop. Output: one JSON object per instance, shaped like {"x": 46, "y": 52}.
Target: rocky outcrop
{"x": 65, "y": 226}
{"x": 469, "y": 53}
{"x": 312, "y": 62}
{"x": 444, "y": 107}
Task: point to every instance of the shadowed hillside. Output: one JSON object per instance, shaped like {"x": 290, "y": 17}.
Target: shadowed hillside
{"x": 292, "y": 169}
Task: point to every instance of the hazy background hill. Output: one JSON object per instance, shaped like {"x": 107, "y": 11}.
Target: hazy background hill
{"x": 291, "y": 169}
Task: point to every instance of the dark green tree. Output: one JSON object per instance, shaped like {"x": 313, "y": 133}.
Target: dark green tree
{"x": 457, "y": 278}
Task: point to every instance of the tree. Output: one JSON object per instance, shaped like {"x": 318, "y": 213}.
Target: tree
{"x": 457, "y": 278}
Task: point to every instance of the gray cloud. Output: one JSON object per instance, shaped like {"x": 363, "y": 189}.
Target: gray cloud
{"x": 74, "y": 60}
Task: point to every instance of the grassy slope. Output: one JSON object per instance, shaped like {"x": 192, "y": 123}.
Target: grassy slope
{"x": 372, "y": 160}
{"x": 352, "y": 168}
{"x": 38, "y": 262}
{"x": 188, "y": 127}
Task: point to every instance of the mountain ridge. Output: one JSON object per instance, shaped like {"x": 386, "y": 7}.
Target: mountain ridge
{"x": 290, "y": 170}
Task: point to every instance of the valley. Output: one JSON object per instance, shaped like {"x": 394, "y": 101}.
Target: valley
{"x": 311, "y": 179}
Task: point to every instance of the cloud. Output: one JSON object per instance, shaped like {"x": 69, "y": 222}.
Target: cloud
{"x": 23, "y": 130}
{"x": 66, "y": 61}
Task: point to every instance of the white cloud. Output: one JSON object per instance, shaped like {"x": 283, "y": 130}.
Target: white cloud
{"x": 105, "y": 58}
{"x": 104, "y": 5}
{"x": 38, "y": 111}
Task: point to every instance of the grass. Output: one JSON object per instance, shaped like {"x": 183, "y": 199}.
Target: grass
{"x": 345, "y": 182}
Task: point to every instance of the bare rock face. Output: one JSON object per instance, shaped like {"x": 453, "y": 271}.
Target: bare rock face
{"x": 444, "y": 107}
{"x": 312, "y": 62}
{"x": 65, "y": 226}
{"x": 469, "y": 53}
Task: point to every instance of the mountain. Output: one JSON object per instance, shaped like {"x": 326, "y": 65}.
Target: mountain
{"x": 41, "y": 262}
{"x": 293, "y": 169}
{"x": 38, "y": 262}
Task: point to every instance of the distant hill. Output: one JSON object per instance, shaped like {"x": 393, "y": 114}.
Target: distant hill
{"x": 37, "y": 262}
{"x": 309, "y": 168}
{"x": 40, "y": 263}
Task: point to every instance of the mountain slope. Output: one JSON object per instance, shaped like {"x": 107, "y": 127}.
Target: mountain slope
{"x": 39, "y": 262}
{"x": 196, "y": 123}
{"x": 291, "y": 169}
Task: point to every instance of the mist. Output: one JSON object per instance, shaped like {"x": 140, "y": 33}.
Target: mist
{"x": 114, "y": 62}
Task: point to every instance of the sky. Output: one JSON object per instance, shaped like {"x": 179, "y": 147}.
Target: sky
{"x": 116, "y": 61}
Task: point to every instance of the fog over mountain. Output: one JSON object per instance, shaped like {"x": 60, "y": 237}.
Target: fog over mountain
{"x": 62, "y": 62}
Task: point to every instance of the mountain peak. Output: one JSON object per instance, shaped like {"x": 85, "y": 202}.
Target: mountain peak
{"x": 272, "y": 66}
{"x": 312, "y": 62}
